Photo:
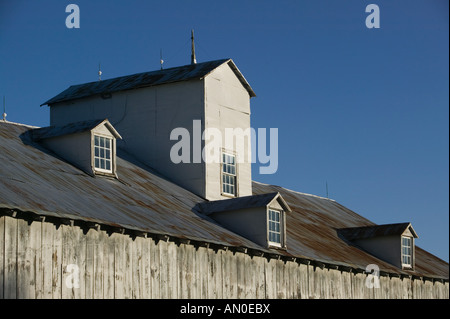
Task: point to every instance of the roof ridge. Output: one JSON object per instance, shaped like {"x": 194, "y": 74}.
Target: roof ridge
{"x": 18, "y": 124}
{"x": 141, "y": 79}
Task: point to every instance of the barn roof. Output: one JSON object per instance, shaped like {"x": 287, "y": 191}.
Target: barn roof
{"x": 35, "y": 181}
{"x": 145, "y": 79}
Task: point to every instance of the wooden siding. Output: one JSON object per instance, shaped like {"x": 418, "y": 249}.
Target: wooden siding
{"x": 35, "y": 257}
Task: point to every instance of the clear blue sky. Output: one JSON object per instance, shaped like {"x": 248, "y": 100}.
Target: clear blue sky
{"x": 366, "y": 110}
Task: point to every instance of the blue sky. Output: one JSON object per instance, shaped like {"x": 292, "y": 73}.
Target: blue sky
{"x": 364, "y": 110}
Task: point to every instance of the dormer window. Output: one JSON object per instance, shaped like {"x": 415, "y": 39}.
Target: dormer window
{"x": 275, "y": 225}
{"x": 103, "y": 151}
{"x": 229, "y": 176}
{"x": 88, "y": 145}
{"x": 407, "y": 252}
{"x": 259, "y": 218}
{"x": 393, "y": 243}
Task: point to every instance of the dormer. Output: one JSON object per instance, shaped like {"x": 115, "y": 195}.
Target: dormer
{"x": 393, "y": 243}
{"x": 88, "y": 145}
{"x": 259, "y": 218}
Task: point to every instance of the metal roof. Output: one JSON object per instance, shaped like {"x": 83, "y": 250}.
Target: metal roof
{"x": 145, "y": 79}
{"x": 34, "y": 180}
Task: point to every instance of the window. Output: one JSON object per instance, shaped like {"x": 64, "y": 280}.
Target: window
{"x": 406, "y": 251}
{"x": 229, "y": 174}
{"x": 275, "y": 229}
{"x": 103, "y": 154}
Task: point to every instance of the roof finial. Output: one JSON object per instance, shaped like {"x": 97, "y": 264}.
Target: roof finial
{"x": 99, "y": 72}
{"x": 193, "y": 59}
{"x": 4, "y": 109}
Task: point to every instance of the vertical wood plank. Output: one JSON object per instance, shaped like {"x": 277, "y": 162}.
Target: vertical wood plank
{"x": 2, "y": 256}
{"x": 172, "y": 277}
{"x": 230, "y": 275}
{"x": 302, "y": 281}
{"x": 26, "y": 261}
{"x": 346, "y": 288}
{"x": 240, "y": 266}
{"x": 74, "y": 263}
{"x": 186, "y": 273}
{"x": 271, "y": 278}
{"x": 315, "y": 282}
{"x": 91, "y": 240}
{"x": 128, "y": 276}
{"x": 147, "y": 292}
{"x": 119, "y": 266}
{"x": 282, "y": 281}
{"x": 260, "y": 280}
{"x": 57, "y": 263}
{"x": 164, "y": 273}
{"x": 10, "y": 272}
{"x": 250, "y": 277}
{"x": 219, "y": 273}
{"x": 311, "y": 279}
{"x": 109, "y": 267}
{"x": 36, "y": 233}
{"x": 194, "y": 291}
{"x": 182, "y": 274}
{"x": 291, "y": 271}
{"x": 99, "y": 251}
{"x": 136, "y": 256}
{"x": 154, "y": 270}
{"x": 202, "y": 271}
{"x": 214, "y": 274}
{"x": 47, "y": 230}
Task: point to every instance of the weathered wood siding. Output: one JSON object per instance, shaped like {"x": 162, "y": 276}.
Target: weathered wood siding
{"x": 35, "y": 258}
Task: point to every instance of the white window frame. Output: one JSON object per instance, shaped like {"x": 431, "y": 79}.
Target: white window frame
{"x": 227, "y": 172}
{"x": 105, "y": 149}
{"x": 404, "y": 251}
{"x": 275, "y": 226}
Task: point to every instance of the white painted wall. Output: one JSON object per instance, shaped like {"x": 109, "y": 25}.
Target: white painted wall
{"x": 387, "y": 248}
{"x": 250, "y": 223}
{"x": 73, "y": 148}
{"x": 227, "y": 105}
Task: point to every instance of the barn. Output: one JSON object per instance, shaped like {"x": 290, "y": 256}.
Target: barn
{"x": 126, "y": 195}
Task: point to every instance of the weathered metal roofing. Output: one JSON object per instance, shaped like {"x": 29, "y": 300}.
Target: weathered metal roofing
{"x": 139, "y": 80}
{"x": 237, "y": 203}
{"x": 34, "y": 180}
{"x": 72, "y": 128}
{"x": 353, "y": 233}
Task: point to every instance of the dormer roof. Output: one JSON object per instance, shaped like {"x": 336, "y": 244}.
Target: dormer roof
{"x": 244, "y": 202}
{"x": 140, "y": 80}
{"x": 72, "y": 128}
{"x": 365, "y": 232}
